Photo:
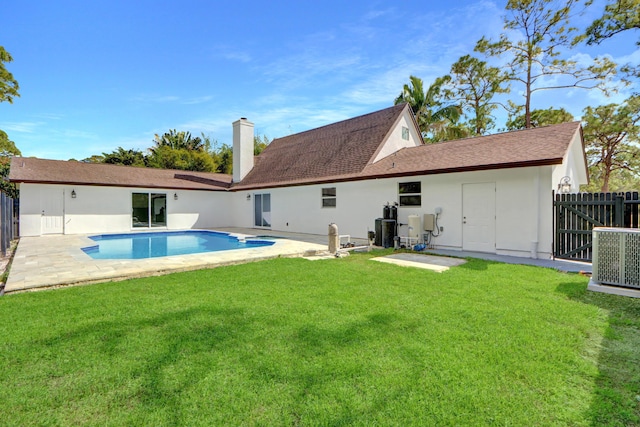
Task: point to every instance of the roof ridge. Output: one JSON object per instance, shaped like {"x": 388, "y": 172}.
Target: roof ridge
{"x": 341, "y": 121}
{"x": 506, "y": 132}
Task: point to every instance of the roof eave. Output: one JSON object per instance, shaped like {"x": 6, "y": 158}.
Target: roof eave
{"x": 167, "y": 187}
{"x": 328, "y": 180}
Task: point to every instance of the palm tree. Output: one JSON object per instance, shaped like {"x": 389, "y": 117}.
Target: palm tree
{"x": 437, "y": 122}
{"x": 120, "y": 156}
{"x": 178, "y": 140}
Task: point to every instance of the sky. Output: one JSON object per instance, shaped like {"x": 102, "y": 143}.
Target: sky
{"x": 98, "y": 75}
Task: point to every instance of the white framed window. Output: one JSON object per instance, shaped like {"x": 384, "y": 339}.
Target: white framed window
{"x": 410, "y": 193}
{"x": 405, "y": 133}
{"x": 329, "y": 197}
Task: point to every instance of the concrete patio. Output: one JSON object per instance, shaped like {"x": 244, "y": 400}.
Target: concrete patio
{"x": 58, "y": 260}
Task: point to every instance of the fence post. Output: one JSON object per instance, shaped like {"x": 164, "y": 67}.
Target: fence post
{"x": 618, "y": 211}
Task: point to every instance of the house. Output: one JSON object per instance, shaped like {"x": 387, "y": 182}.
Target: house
{"x": 491, "y": 193}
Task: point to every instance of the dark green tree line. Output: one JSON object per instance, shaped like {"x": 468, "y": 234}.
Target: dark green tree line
{"x": 179, "y": 150}
{"x": 8, "y": 91}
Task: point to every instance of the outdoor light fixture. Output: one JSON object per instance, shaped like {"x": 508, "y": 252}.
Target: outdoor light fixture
{"x": 564, "y": 187}
{"x": 248, "y": 197}
{"x": 73, "y": 194}
{"x": 175, "y": 196}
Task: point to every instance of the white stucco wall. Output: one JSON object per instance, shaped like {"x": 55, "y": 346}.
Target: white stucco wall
{"x": 30, "y": 211}
{"x": 573, "y": 166}
{"x": 108, "y": 209}
{"x": 395, "y": 141}
{"x": 523, "y": 207}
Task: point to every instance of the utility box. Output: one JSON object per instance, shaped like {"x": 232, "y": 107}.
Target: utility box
{"x": 429, "y": 222}
{"x": 378, "y": 237}
{"x": 388, "y": 233}
{"x": 385, "y": 232}
{"x": 414, "y": 227}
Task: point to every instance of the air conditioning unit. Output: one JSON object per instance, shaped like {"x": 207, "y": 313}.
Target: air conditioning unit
{"x": 616, "y": 256}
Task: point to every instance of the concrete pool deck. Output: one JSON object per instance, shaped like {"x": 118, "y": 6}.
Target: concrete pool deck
{"x": 58, "y": 260}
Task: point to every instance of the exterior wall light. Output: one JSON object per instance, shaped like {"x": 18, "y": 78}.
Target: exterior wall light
{"x": 175, "y": 196}
{"x": 564, "y": 187}
{"x": 73, "y": 194}
{"x": 248, "y": 197}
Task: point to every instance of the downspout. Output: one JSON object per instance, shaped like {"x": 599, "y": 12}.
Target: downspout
{"x": 64, "y": 212}
{"x": 536, "y": 220}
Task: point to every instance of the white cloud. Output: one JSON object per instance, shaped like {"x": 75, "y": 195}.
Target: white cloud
{"x": 166, "y": 99}
{"x": 155, "y": 99}
{"x": 237, "y": 56}
{"x": 24, "y": 127}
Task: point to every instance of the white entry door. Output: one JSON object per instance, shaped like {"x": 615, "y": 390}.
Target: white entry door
{"x": 52, "y": 206}
{"x": 479, "y": 217}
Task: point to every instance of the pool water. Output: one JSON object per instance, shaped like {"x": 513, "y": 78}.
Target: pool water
{"x": 166, "y": 243}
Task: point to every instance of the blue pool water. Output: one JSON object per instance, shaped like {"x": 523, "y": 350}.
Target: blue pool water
{"x": 152, "y": 245}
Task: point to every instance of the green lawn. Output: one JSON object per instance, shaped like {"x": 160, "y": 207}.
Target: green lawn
{"x": 334, "y": 342}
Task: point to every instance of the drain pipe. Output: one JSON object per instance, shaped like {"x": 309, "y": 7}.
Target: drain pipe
{"x": 536, "y": 223}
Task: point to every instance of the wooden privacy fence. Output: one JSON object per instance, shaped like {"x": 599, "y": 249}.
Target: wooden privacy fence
{"x": 575, "y": 215}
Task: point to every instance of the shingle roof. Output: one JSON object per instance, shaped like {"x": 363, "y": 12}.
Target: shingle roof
{"x": 342, "y": 152}
{"x": 33, "y": 170}
{"x": 529, "y": 147}
{"x": 334, "y": 150}
{"x": 339, "y": 152}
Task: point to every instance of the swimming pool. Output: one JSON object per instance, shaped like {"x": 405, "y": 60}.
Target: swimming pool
{"x": 166, "y": 243}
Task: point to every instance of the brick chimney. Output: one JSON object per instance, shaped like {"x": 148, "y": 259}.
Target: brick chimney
{"x": 242, "y": 148}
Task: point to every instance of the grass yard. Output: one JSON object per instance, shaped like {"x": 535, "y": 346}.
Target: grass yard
{"x": 334, "y": 342}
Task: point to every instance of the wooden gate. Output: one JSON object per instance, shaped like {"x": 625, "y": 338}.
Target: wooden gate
{"x": 575, "y": 215}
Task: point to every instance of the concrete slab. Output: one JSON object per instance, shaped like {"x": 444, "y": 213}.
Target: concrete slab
{"x": 557, "y": 264}
{"x": 430, "y": 262}
{"x": 614, "y": 290}
{"x": 58, "y": 260}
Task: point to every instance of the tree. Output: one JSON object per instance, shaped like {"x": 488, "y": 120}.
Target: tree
{"x": 224, "y": 158}
{"x": 259, "y": 144}
{"x": 8, "y": 149}
{"x": 96, "y": 158}
{"x": 178, "y": 140}
{"x": 120, "y": 156}
{"x": 474, "y": 84}
{"x": 437, "y": 121}
{"x": 550, "y": 116}
{"x": 167, "y": 157}
{"x": 618, "y": 16}
{"x": 179, "y": 150}
{"x": 8, "y": 85}
{"x": 223, "y": 153}
{"x": 533, "y": 55}
{"x": 8, "y": 90}
{"x": 611, "y": 135}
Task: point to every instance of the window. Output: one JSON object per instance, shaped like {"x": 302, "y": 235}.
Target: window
{"x": 409, "y": 193}
{"x": 405, "y": 133}
{"x": 148, "y": 210}
{"x": 329, "y": 197}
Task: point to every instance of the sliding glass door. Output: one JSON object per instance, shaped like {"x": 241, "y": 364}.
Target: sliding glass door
{"x": 148, "y": 210}
{"x": 262, "y": 210}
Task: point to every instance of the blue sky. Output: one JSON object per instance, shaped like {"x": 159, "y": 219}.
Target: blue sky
{"x": 96, "y": 75}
